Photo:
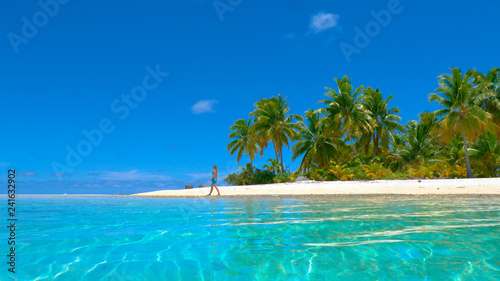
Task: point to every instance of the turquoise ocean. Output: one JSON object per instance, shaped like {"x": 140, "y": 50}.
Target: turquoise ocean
{"x": 125, "y": 239}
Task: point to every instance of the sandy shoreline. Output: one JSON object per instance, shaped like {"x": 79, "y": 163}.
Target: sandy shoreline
{"x": 385, "y": 188}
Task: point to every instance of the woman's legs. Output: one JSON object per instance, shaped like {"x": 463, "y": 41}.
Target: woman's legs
{"x": 212, "y": 188}
{"x": 215, "y": 188}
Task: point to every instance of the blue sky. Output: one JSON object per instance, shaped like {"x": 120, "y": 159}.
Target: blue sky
{"x": 163, "y": 80}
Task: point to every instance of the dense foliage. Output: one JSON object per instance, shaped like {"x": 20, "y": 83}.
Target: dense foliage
{"x": 357, "y": 134}
{"x": 250, "y": 175}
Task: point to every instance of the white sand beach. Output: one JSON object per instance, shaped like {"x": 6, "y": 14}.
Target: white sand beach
{"x": 489, "y": 186}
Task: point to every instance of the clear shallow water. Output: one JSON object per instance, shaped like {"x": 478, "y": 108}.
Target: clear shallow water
{"x": 115, "y": 238}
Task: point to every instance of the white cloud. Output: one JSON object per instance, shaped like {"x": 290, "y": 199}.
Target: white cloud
{"x": 27, "y": 174}
{"x": 133, "y": 175}
{"x": 323, "y": 21}
{"x": 4, "y": 164}
{"x": 204, "y": 106}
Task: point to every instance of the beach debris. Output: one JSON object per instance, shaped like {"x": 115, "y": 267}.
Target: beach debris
{"x": 301, "y": 179}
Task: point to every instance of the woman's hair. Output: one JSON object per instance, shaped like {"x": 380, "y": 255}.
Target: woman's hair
{"x": 215, "y": 167}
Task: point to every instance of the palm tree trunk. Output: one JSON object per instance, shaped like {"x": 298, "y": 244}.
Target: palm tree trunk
{"x": 467, "y": 163}
{"x": 376, "y": 138}
{"x": 276, "y": 152}
{"x": 281, "y": 156}
{"x": 352, "y": 144}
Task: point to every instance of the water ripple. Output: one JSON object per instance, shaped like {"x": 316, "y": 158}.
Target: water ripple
{"x": 258, "y": 239}
{"x": 353, "y": 243}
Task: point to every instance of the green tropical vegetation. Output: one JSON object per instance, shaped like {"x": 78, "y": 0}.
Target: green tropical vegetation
{"x": 273, "y": 124}
{"x": 242, "y": 141}
{"x": 356, "y": 134}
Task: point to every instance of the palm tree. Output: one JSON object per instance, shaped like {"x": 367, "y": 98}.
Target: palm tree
{"x": 314, "y": 144}
{"x": 490, "y": 82}
{"x": 487, "y": 154}
{"x": 273, "y": 124}
{"x": 453, "y": 153}
{"x": 246, "y": 173}
{"x": 462, "y": 112}
{"x": 416, "y": 145}
{"x": 243, "y": 141}
{"x": 344, "y": 107}
{"x": 247, "y": 169}
{"x": 384, "y": 121}
{"x": 273, "y": 166}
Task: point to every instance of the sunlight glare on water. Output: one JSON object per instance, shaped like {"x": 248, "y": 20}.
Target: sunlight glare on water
{"x": 120, "y": 238}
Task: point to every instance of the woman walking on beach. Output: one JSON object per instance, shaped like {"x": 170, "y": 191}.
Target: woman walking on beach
{"x": 214, "y": 181}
